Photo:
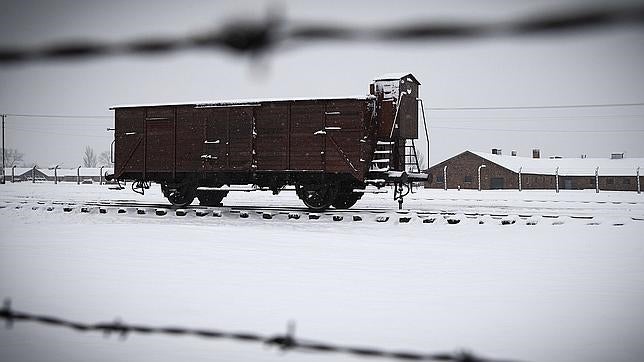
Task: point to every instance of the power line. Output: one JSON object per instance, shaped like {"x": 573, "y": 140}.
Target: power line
{"x": 540, "y": 130}
{"x": 535, "y": 107}
{"x": 285, "y": 341}
{"x": 257, "y": 37}
{"x": 60, "y": 133}
{"x": 56, "y": 116}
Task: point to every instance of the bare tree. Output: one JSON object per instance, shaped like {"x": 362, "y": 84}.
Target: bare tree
{"x": 105, "y": 159}
{"x": 89, "y": 157}
{"x": 421, "y": 160}
{"x": 12, "y": 157}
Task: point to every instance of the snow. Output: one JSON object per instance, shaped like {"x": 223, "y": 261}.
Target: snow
{"x": 567, "y": 166}
{"x": 559, "y": 290}
{"x": 250, "y": 102}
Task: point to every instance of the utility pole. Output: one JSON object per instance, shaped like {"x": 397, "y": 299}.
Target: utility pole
{"x": 3, "y": 147}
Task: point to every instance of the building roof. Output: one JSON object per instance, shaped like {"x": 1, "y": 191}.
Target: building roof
{"x": 18, "y": 171}
{"x": 394, "y": 76}
{"x": 567, "y": 166}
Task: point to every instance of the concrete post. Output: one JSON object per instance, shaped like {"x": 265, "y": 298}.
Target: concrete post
{"x": 3, "y": 147}
{"x": 78, "y": 175}
{"x": 520, "y": 168}
{"x": 100, "y": 182}
{"x": 479, "y": 175}
{"x": 445, "y": 177}
{"x": 55, "y": 174}
{"x": 557, "y": 179}
{"x": 597, "y": 180}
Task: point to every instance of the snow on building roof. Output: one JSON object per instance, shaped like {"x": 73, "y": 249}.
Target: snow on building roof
{"x": 253, "y": 101}
{"x": 18, "y": 171}
{"x": 393, "y": 76}
{"x": 567, "y": 166}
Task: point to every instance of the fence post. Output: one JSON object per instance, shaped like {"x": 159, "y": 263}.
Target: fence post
{"x": 557, "y": 179}
{"x": 78, "y": 175}
{"x": 33, "y": 175}
{"x": 638, "y": 180}
{"x": 13, "y": 173}
{"x": 56, "y": 175}
{"x": 100, "y": 180}
{"x": 445, "y": 177}
{"x": 597, "y": 179}
{"x": 520, "y": 168}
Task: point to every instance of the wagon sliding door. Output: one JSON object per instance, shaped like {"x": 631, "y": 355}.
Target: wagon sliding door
{"x": 307, "y": 136}
{"x": 228, "y": 138}
{"x": 344, "y": 130}
{"x": 159, "y": 140}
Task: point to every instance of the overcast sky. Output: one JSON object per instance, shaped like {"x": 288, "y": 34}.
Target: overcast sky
{"x": 595, "y": 67}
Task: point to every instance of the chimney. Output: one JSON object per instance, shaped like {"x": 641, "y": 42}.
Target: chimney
{"x": 536, "y": 153}
{"x": 496, "y": 151}
{"x": 514, "y": 153}
{"x": 617, "y": 155}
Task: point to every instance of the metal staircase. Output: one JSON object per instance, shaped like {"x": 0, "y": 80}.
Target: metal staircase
{"x": 381, "y": 161}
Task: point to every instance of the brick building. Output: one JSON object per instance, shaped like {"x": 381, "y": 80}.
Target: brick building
{"x": 504, "y": 171}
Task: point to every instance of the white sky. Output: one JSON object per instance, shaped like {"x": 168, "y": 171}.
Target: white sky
{"x": 600, "y": 66}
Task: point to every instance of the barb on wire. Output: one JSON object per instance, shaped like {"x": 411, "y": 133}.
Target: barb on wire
{"x": 284, "y": 342}
{"x": 256, "y": 37}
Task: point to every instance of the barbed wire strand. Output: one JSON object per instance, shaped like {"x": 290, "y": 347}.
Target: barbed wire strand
{"x": 284, "y": 342}
{"x": 259, "y": 36}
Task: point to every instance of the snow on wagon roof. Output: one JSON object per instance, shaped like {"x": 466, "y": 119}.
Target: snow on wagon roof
{"x": 567, "y": 166}
{"x": 230, "y": 102}
{"x": 393, "y": 76}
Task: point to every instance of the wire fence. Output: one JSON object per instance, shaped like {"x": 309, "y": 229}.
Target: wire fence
{"x": 256, "y": 37}
{"x": 284, "y": 342}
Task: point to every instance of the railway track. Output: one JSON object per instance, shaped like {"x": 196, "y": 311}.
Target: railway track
{"x": 452, "y": 216}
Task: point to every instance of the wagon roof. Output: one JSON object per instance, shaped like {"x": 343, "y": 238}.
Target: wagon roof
{"x": 232, "y": 102}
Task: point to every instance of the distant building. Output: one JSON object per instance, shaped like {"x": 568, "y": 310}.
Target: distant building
{"x": 502, "y": 172}
{"x": 24, "y": 174}
{"x": 21, "y": 174}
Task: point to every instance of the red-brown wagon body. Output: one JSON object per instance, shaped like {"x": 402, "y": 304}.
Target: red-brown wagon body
{"x": 323, "y": 146}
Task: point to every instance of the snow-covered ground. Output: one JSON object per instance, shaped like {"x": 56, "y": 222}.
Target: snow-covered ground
{"x": 564, "y": 282}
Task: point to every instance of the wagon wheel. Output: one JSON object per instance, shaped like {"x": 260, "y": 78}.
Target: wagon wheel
{"x": 345, "y": 201}
{"x": 181, "y": 196}
{"x": 346, "y": 197}
{"x": 211, "y": 198}
{"x": 317, "y": 197}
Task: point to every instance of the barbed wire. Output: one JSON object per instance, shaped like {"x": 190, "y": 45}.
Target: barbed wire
{"x": 256, "y": 37}
{"x": 284, "y": 342}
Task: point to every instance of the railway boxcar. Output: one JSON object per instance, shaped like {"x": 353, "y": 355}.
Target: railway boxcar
{"x": 328, "y": 148}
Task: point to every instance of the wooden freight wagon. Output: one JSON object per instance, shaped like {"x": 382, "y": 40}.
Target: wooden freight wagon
{"x": 328, "y": 148}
